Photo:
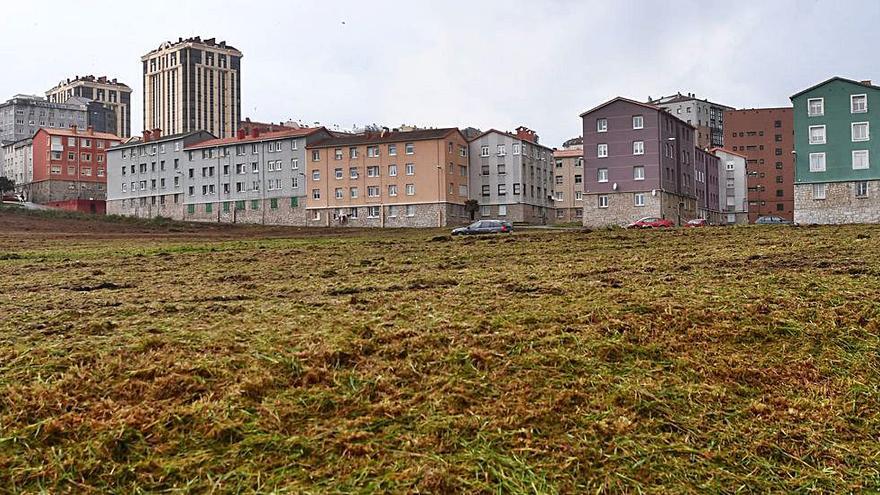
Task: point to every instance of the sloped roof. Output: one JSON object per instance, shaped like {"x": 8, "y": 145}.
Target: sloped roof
{"x": 627, "y": 100}
{"x": 79, "y": 133}
{"x": 508, "y": 134}
{"x": 261, "y": 137}
{"x": 713, "y": 150}
{"x": 568, "y": 153}
{"x": 835, "y": 78}
{"x": 385, "y": 137}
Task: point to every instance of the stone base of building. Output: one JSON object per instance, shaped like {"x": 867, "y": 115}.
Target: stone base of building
{"x": 840, "y": 206}
{"x": 621, "y": 209}
{"x": 516, "y": 213}
{"x": 568, "y": 215}
{"x": 421, "y": 216}
{"x": 52, "y": 191}
{"x": 270, "y": 211}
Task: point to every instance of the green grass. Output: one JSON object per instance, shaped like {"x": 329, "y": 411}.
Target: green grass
{"x": 701, "y": 361}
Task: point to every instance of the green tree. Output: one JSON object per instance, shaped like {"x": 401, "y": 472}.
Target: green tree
{"x": 6, "y": 184}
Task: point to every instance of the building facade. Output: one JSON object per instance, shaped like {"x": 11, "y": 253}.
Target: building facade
{"x": 110, "y": 94}
{"x": 193, "y": 85}
{"x": 706, "y": 117}
{"x": 835, "y": 181}
{"x": 568, "y": 185}
{"x": 18, "y": 161}
{"x": 638, "y": 162}
{"x": 23, "y": 115}
{"x": 706, "y": 172}
{"x": 511, "y": 176}
{"x": 67, "y": 169}
{"x": 251, "y": 178}
{"x": 416, "y": 178}
{"x": 732, "y": 187}
{"x": 765, "y": 136}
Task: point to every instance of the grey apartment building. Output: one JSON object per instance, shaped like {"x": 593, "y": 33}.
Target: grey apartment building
{"x": 23, "y": 115}
{"x": 193, "y": 85}
{"x": 638, "y": 162}
{"x": 250, "y": 178}
{"x": 147, "y": 178}
{"x": 733, "y": 187}
{"x": 706, "y": 117}
{"x": 511, "y": 176}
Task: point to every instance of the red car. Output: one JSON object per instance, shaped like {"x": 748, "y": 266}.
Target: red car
{"x": 698, "y": 222}
{"x": 651, "y": 223}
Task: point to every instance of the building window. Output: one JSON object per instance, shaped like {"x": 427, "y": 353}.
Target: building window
{"x": 502, "y": 210}
{"x": 516, "y": 189}
{"x": 638, "y": 122}
{"x": 337, "y": 154}
{"x": 502, "y": 189}
{"x": 816, "y": 107}
{"x": 502, "y": 169}
{"x": 484, "y": 151}
{"x": 638, "y": 148}
{"x": 603, "y": 201}
{"x": 372, "y": 212}
{"x": 392, "y": 190}
{"x": 373, "y": 171}
{"x": 859, "y": 103}
{"x": 372, "y": 151}
{"x": 316, "y": 194}
{"x": 862, "y": 189}
{"x": 316, "y": 155}
{"x": 353, "y": 193}
{"x": 817, "y": 134}
{"x": 602, "y": 151}
{"x": 316, "y": 175}
{"x": 602, "y": 125}
{"x": 410, "y": 169}
{"x": 353, "y": 153}
{"x": 860, "y": 160}
{"x": 639, "y": 173}
{"x": 339, "y": 194}
{"x": 639, "y": 199}
{"x": 516, "y": 148}
{"x": 410, "y": 190}
{"x": 410, "y": 148}
{"x": 372, "y": 191}
{"x": 602, "y": 175}
{"x": 353, "y": 173}
{"x": 860, "y": 132}
{"x": 392, "y": 150}
{"x": 392, "y": 170}
{"x": 502, "y": 151}
{"x": 485, "y": 211}
{"x": 819, "y": 191}
{"x": 578, "y": 179}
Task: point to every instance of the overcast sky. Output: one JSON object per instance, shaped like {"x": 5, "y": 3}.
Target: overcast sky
{"x": 481, "y": 63}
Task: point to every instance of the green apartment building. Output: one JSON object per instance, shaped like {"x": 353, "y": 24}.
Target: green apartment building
{"x": 835, "y": 181}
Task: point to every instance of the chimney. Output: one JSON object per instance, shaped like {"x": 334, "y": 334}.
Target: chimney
{"x": 255, "y": 133}
{"x": 147, "y": 136}
{"x": 867, "y": 82}
{"x": 242, "y": 133}
{"x": 73, "y": 128}
{"x": 526, "y": 134}
{"x": 157, "y": 133}
{"x": 91, "y": 130}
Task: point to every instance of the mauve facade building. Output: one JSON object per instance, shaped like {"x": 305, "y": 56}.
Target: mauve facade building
{"x": 707, "y": 168}
{"x": 638, "y": 162}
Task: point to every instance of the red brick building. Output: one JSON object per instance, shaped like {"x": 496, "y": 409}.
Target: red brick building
{"x": 765, "y": 136}
{"x": 69, "y": 169}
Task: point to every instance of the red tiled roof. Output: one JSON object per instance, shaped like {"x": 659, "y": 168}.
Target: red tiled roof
{"x": 80, "y": 133}
{"x": 568, "y": 153}
{"x": 264, "y": 136}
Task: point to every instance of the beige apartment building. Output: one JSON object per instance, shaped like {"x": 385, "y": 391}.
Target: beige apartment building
{"x": 110, "y": 93}
{"x": 416, "y": 178}
{"x": 193, "y": 85}
{"x": 568, "y": 185}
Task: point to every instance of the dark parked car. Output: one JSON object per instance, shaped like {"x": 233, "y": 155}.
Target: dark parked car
{"x": 697, "y": 222}
{"x": 772, "y": 220}
{"x": 651, "y": 223}
{"x": 485, "y": 227}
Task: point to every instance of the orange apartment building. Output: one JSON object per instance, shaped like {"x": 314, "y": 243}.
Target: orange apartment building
{"x": 568, "y": 185}
{"x": 415, "y": 178}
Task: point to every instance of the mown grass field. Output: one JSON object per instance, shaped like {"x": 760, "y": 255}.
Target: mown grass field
{"x": 703, "y": 361}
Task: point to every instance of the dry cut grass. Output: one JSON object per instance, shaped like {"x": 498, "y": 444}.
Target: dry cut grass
{"x": 703, "y": 361}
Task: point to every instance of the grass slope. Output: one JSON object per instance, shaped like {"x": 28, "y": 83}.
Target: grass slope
{"x": 717, "y": 360}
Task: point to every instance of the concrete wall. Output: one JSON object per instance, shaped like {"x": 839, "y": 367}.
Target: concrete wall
{"x": 841, "y": 205}
{"x": 421, "y": 216}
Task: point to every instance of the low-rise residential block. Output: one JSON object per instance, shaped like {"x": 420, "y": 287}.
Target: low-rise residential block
{"x": 511, "y": 176}
{"x": 568, "y": 185}
{"x": 732, "y": 187}
{"x": 835, "y": 181}
{"x": 416, "y": 178}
